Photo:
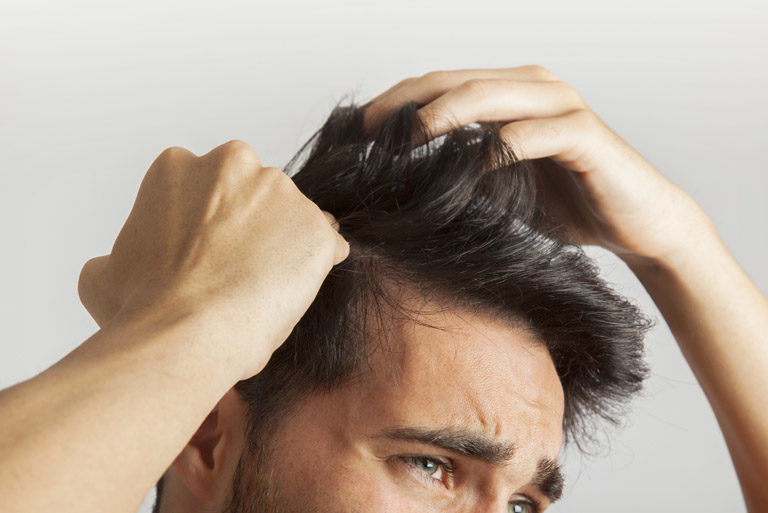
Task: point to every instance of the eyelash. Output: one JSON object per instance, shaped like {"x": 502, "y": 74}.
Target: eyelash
{"x": 446, "y": 465}
{"x": 449, "y": 468}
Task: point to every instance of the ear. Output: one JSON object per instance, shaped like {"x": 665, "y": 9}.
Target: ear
{"x": 208, "y": 461}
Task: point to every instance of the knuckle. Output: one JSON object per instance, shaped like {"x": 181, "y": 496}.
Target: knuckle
{"x": 569, "y": 92}
{"x": 235, "y": 160}
{"x": 86, "y": 273}
{"x": 513, "y": 131}
{"x": 517, "y": 137}
{"x": 346, "y": 248}
{"x": 172, "y": 154}
{"x": 589, "y": 124}
{"x": 235, "y": 145}
{"x": 540, "y": 72}
{"x": 435, "y": 78}
{"x": 237, "y": 149}
{"x": 89, "y": 278}
{"x": 171, "y": 163}
{"x": 475, "y": 87}
{"x": 586, "y": 118}
{"x": 589, "y": 128}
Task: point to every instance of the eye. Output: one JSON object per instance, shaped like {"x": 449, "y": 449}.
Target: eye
{"x": 432, "y": 468}
{"x": 522, "y": 506}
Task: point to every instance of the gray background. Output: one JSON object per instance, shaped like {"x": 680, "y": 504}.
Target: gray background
{"x": 90, "y": 93}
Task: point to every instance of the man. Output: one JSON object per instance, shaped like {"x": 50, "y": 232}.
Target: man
{"x": 454, "y": 402}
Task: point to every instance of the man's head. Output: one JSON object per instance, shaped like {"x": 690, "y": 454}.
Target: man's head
{"x": 443, "y": 362}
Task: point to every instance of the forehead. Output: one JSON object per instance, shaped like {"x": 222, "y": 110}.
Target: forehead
{"x": 457, "y": 368}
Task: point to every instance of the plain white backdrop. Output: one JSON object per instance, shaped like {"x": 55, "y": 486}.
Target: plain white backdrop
{"x": 92, "y": 92}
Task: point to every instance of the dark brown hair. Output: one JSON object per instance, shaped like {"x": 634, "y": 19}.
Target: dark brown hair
{"x": 456, "y": 216}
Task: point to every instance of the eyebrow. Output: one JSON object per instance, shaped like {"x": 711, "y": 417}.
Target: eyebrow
{"x": 549, "y": 477}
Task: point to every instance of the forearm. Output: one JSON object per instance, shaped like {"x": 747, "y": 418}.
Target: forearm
{"x": 95, "y": 431}
{"x": 720, "y": 320}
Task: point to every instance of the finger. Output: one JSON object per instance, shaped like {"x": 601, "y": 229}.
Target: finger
{"x": 332, "y": 220}
{"x": 433, "y": 85}
{"x": 498, "y": 100}
{"x": 562, "y": 138}
{"x": 342, "y": 249}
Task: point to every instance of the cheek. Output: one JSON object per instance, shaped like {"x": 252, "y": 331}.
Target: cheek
{"x": 344, "y": 489}
{"x": 352, "y": 490}
{"x": 328, "y": 477}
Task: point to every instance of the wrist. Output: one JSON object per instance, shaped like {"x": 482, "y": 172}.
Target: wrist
{"x": 196, "y": 340}
{"x": 696, "y": 242}
{"x": 691, "y": 260}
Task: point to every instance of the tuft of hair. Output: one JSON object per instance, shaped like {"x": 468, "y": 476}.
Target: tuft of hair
{"x": 455, "y": 215}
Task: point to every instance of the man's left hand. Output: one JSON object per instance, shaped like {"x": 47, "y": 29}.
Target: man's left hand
{"x": 590, "y": 180}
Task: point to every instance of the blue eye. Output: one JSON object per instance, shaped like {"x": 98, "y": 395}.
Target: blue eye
{"x": 432, "y": 468}
{"x": 426, "y": 465}
{"x": 521, "y": 507}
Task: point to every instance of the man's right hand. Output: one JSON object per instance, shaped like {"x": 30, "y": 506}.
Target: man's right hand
{"x": 219, "y": 236}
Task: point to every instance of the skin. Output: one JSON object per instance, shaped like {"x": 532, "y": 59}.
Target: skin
{"x": 333, "y": 454}
{"x": 202, "y": 265}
